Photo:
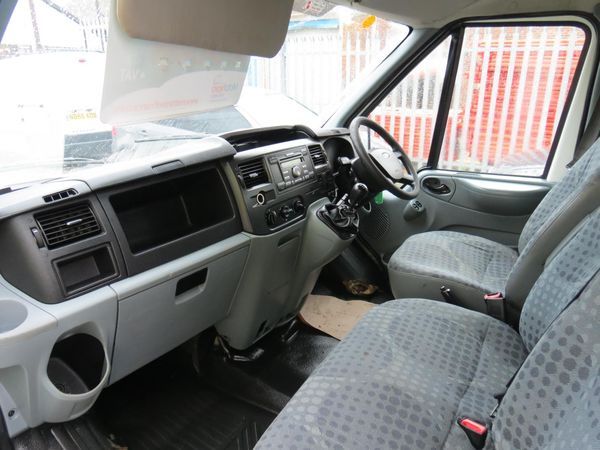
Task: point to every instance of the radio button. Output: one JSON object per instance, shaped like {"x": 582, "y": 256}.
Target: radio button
{"x": 296, "y": 171}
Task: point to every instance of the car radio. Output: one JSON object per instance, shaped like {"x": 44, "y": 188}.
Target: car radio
{"x": 291, "y": 167}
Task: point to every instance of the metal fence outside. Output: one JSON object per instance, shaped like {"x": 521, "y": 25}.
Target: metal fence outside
{"x": 508, "y": 97}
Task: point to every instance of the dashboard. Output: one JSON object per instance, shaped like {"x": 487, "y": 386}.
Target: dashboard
{"x": 113, "y": 268}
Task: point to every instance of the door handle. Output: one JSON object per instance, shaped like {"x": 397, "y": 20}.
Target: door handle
{"x": 435, "y": 186}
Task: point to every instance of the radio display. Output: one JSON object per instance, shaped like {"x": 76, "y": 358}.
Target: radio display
{"x": 286, "y": 165}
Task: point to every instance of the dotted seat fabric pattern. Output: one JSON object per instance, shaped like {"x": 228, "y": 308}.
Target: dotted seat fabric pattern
{"x": 473, "y": 266}
{"x": 583, "y": 174}
{"x": 565, "y": 276}
{"x": 554, "y": 402}
{"x": 410, "y": 368}
{"x": 399, "y": 380}
{"x": 473, "y": 261}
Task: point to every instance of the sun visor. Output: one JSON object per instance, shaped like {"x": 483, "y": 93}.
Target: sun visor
{"x": 148, "y": 80}
{"x": 233, "y": 26}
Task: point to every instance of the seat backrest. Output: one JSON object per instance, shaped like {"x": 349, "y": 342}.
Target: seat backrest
{"x": 554, "y": 400}
{"x": 569, "y": 269}
{"x": 567, "y": 203}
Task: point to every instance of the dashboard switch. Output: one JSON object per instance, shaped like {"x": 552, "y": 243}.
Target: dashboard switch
{"x": 271, "y": 217}
{"x": 285, "y": 211}
{"x": 299, "y": 206}
{"x": 37, "y": 234}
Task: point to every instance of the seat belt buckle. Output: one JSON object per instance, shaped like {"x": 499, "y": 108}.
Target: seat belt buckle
{"x": 448, "y": 295}
{"x": 475, "y": 431}
{"x": 494, "y": 304}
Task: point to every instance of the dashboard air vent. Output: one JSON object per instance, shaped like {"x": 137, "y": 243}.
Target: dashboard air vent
{"x": 51, "y": 198}
{"x": 63, "y": 226}
{"x": 253, "y": 173}
{"x": 317, "y": 155}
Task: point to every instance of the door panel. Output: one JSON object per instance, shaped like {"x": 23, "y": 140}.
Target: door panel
{"x": 484, "y": 195}
{"x": 489, "y": 206}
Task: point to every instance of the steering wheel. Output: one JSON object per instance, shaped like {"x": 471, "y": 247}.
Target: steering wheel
{"x": 385, "y": 166}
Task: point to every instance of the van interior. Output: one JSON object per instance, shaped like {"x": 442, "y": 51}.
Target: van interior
{"x": 299, "y": 224}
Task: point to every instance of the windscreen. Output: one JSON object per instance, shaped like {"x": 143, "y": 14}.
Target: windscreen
{"x": 52, "y": 66}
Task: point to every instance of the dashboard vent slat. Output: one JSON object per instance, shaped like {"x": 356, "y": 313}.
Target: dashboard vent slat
{"x": 51, "y": 198}
{"x": 317, "y": 155}
{"x": 253, "y": 173}
{"x": 64, "y": 226}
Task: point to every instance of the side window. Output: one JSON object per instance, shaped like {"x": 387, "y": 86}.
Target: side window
{"x": 409, "y": 111}
{"x": 509, "y": 94}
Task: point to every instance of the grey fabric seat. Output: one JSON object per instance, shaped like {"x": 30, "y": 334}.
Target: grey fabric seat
{"x": 472, "y": 266}
{"x": 410, "y": 368}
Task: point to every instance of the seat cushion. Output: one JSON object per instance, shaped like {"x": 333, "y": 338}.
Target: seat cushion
{"x": 471, "y": 266}
{"x": 400, "y": 379}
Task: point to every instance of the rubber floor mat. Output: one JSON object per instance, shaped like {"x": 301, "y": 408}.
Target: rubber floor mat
{"x": 176, "y": 411}
{"x": 332, "y": 315}
{"x": 81, "y": 433}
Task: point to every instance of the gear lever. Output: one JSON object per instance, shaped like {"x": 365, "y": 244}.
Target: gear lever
{"x": 357, "y": 195}
{"x": 342, "y": 216}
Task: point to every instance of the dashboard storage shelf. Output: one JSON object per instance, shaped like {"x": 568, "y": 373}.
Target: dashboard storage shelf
{"x": 166, "y": 218}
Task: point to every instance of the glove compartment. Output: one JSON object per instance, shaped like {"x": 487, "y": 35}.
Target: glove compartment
{"x": 163, "y": 307}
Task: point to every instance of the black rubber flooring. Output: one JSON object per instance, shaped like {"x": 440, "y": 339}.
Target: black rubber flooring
{"x": 167, "y": 405}
{"x": 276, "y": 376}
{"x": 164, "y": 406}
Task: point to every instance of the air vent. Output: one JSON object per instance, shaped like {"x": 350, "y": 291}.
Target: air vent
{"x": 317, "y": 155}
{"x": 60, "y": 195}
{"x": 253, "y": 173}
{"x": 63, "y": 226}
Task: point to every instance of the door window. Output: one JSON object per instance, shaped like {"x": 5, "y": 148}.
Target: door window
{"x": 507, "y": 98}
{"x": 410, "y": 110}
{"x": 509, "y": 94}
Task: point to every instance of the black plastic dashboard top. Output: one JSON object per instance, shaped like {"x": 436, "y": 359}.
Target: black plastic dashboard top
{"x": 243, "y": 140}
{"x": 86, "y": 181}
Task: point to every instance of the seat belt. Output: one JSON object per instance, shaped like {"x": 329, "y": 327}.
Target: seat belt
{"x": 495, "y": 305}
{"x": 477, "y": 431}
{"x": 592, "y": 129}
{"x": 590, "y": 134}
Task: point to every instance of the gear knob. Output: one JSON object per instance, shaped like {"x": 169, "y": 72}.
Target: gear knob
{"x": 358, "y": 194}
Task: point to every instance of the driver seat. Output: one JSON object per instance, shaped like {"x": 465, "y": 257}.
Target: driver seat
{"x": 472, "y": 266}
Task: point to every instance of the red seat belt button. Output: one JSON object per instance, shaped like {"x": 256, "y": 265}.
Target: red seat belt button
{"x": 475, "y": 427}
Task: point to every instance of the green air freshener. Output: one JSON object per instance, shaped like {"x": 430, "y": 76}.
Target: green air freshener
{"x": 379, "y": 198}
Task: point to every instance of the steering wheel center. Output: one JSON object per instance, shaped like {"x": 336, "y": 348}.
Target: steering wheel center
{"x": 391, "y": 167}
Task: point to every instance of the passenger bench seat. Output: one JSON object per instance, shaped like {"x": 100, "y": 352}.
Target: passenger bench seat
{"x": 412, "y": 367}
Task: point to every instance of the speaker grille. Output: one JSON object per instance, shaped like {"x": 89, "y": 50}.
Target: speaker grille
{"x": 377, "y": 224}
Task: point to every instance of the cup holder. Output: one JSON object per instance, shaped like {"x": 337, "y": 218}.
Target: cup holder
{"x": 77, "y": 364}
{"x": 13, "y": 314}
{"x": 77, "y": 371}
